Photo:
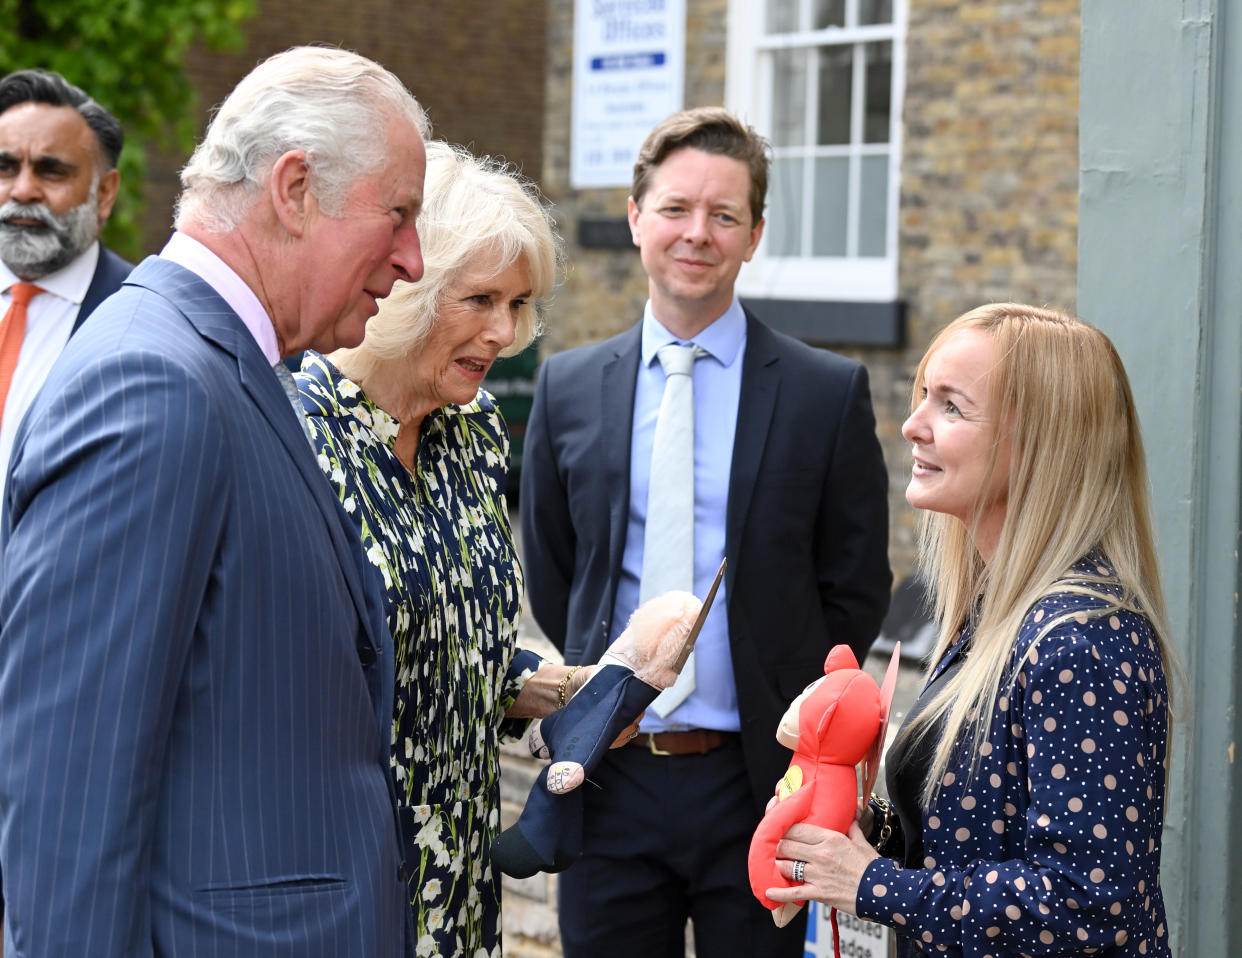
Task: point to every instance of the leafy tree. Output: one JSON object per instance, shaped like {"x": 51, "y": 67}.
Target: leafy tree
{"x": 130, "y": 56}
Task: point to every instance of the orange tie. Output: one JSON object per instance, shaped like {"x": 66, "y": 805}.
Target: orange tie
{"x": 12, "y": 333}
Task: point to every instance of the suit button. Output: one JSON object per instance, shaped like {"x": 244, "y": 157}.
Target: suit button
{"x": 366, "y": 655}
{"x": 403, "y": 874}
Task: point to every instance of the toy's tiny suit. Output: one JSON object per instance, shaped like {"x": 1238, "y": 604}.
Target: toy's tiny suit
{"x": 637, "y": 666}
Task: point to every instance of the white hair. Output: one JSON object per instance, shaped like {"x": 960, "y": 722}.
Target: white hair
{"x": 472, "y": 206}
{"x": 332, "y": 103}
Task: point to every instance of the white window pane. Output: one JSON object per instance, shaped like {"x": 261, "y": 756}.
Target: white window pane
{"x": 789, "y": 97}
{"x": 782, "y": 16}
{"x": 836, "y": 79}
{"x": 873, "y": 207}
{"x": 829, "y": 13}
{"x": 832, "y": 180}
{"x": 875, "y": 11}
{"x": 783, "y": 232}
{"x": 879, "y": 92}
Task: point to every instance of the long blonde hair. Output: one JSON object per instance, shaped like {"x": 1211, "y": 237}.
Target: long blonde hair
{"x": 1077, "y": 483}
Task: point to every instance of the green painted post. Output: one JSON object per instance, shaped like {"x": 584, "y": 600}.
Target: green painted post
{"x": 1160, "y": 270}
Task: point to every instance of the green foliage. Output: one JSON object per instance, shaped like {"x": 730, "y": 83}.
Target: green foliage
{"x": 130, "y": 56}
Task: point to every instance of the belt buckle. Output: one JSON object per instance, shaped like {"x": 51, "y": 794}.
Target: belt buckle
{"x": 651, "y": 745}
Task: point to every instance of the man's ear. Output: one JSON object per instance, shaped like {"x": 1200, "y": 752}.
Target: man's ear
{"x": 288, "y": 187}
{"x": 632, "y": 212}
{"x": 105, "y": 196}
{"x": 756, "y": 234}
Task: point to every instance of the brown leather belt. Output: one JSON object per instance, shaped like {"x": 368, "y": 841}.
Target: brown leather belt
{"x": 696, "y": 741}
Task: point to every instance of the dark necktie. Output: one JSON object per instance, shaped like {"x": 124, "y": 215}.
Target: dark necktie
{"x": 291, "y": 393}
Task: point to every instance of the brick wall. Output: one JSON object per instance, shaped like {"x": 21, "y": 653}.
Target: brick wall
{"x": 989, "y": 167}
{"x": 988, "y": 198}
{"x": 477, "y": 66}
{"x": 988, "y": 211}
{"x": 604, "y": 290}
{"x": 989, "y": 183}
{"x": 989, "y": 164}
{"x": 603, "y": 294}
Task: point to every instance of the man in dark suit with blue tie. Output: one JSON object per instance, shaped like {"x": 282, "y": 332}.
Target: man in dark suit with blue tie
{"x": 788, "y": 484}
{"x": 195, "y": 680}
{"x": 58, "y": 182}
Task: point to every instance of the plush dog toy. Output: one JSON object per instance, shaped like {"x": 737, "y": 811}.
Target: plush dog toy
{"x": 831, "y": 727}
{"x": 641, "y": 663}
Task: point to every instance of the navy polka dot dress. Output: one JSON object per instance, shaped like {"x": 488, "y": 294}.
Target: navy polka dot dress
{"x": 1052, "y": 846}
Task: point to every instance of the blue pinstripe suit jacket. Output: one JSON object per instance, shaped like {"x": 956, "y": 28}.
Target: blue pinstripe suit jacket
{"x": 195, "y": 679}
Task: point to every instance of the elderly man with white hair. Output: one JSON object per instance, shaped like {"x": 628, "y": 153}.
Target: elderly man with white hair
{"x": 195, "y": 678}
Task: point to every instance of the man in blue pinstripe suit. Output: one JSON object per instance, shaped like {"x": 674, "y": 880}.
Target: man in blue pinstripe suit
{"x": 195, "y": 681}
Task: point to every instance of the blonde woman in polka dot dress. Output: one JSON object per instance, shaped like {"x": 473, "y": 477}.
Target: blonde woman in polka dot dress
{"x": 1028, "y": 781}
{"x": 418, "y": 453}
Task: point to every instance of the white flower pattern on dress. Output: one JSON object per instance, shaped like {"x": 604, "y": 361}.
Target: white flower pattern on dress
{"x": 440, "y": 541}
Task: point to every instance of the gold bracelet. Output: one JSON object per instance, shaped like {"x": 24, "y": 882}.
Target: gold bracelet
{"x": 564, "y": 683}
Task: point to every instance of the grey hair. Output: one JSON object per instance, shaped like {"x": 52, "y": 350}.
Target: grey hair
{"x": 46, "y": 86}
{"x": 332, "y": 103}
{"x": 471, "y": 205}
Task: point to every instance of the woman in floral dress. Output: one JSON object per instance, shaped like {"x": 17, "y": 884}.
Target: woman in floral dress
{"x": 419, "y": 456}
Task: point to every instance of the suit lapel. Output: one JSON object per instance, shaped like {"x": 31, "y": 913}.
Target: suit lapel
{"x": 258, "y": 380}
{"x": 110, "y": 273}
{"x": 217, "y": 323}
{"x": 264, "y": 388}
{"x": 760, "y": 386}
{"x": 618, "y": 383}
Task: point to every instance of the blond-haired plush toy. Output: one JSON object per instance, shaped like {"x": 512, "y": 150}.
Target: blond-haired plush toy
{"x": 644, "y": 660}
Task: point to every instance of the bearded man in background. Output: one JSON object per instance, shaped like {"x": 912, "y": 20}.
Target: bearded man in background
{"x": 58, "y": 182}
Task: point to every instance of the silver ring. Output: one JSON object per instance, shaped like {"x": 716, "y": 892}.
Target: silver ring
{"x": 799, "y": 871}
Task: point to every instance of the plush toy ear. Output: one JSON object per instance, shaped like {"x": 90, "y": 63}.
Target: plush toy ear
{"x": 840, "y": 657}
{"x": 825, "y": 716}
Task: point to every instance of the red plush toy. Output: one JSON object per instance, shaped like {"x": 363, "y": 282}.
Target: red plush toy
{"x": 831, "y": 726}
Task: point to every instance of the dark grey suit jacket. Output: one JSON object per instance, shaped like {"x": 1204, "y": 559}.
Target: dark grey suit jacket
{"x": 806, "y": 525}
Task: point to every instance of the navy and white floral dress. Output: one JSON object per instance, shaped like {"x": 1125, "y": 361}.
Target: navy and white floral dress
{"x": 1053, "y": 845}
{"x": 439, "y": 538}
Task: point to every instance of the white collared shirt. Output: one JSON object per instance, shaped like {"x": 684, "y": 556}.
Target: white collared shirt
{"x": 49, "y": 321}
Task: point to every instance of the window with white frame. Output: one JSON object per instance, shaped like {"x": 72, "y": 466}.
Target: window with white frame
{"x": 823, "y": 80}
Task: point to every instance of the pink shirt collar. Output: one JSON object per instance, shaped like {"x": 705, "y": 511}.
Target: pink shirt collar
{"x": 189, "y": 253}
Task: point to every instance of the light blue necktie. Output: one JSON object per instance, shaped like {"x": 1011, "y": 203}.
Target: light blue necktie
{"x": 291, "y": 393}
{"x": 668, "y": 539}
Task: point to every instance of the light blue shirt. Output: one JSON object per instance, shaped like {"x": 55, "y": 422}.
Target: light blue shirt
{"x": 717, "y": 387}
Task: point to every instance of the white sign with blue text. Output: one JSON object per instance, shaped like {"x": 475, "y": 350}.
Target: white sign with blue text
{"x": 859, "y": 939}
{"x": 629, "y": 65}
